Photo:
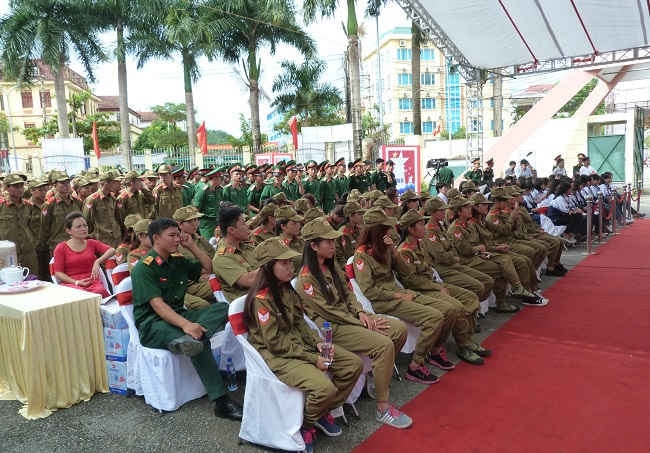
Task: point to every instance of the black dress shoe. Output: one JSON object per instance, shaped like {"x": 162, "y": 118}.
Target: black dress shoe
{"x": 185, "y": 345}
{"x": 224, "y": 407}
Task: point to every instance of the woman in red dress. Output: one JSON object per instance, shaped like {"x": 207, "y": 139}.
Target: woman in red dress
{"x": 77, "y": 261}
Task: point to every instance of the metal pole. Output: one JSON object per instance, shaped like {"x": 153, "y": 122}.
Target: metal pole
{"x": 589, "y": 226}
{"x": 600, "y": 218}
{"x": 628, "y": 204}
{"x": 638, "y": 197}
{"x": 612, "y": 205}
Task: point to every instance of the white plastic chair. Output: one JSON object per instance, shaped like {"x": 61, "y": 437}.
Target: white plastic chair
{"x": 273, "y": 411}
{"x": 166, "y": 380}
{"x": 217, "y": 291}
{"x": 119, "y": 273}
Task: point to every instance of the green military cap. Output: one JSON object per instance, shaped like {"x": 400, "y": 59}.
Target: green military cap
{"x": 356, "y": 162}
{"x": 352, "y": 207}
{"x": 383, "y": 202}
{"x": 499, "y": 193}
{"x": 409, "y": 195}
{"x": 476, "y": 160}
{"x": 313, "y": 213}
{"x": 164, "y": 168}
{"x": 110, "y": 175}
{"x": 186, "y": 213}
{"x": 479, "y": 198}
{"x": 267, "y": 210}
{"x": 340, "y": 161}
{"x": 301, "y": 205}
{"x": 37, "y": 182}
{"x": 223, "y": 168}
{"x": 376, "y": 216}
{"x": 12, "y": 179}
{"x": 215, "y": 172}
{"x": 424, "y": 196}
{"x": 58, "y": 176}
{"x": 277, "y": 170}
{"x": 235, "y": 167}
{"x": 280, "y": 198}
{"x": 453, "y": 193}
{"x": 459, "y": 203}
{"x": 141, "y": 226}
{"x": 148, "y": 174}
{"x": 434, "y": 204}
{"x": 311, "y": 163}
{"x": 467, "y": 186}
{"x": 131, "y": 176}
{"x": 273, "y": 249}
{"x": 131, "y": 219}
{"x": 281, "y": 163}
{"x": 410, "y": 217}
{"x": 250, "y": 167}
{"x": 291, "y": 162}
{"x": 319, "y": 228}
{"x": 193, "y": 170}
{"x": 180, "y": 171}
{"x": 323, "y": 164}
{"x": 287, "y": 212}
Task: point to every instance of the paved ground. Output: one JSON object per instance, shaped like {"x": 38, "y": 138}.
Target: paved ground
{"x": 112, "y": 423}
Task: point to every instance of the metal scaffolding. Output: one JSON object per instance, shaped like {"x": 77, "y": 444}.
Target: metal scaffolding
{"x": 474, "y": 115}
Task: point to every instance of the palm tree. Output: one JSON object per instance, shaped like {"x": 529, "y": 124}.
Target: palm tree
{"x": 261, "y": 23}
{"x": 190, "y": 29}
{"x": 301, "y": 93}
{"x": 326, "y": 8}
{"x": 49, "y": 30}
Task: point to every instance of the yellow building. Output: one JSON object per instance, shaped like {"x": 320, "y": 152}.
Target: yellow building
{"x": 442, "y": 94}
{"x": 32, "y": 106}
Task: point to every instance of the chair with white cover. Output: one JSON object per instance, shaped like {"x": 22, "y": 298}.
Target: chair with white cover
{"x": 166, "y": 380}
{"x": 226, "y": 340}
{"x": 273, "y": 411}
{"x": 119, "y": 273}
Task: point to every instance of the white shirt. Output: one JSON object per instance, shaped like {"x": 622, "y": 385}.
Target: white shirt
{"x": 587, "y": 170}
{"x": 443, "y": 197}
{"x": 524, "y": 172}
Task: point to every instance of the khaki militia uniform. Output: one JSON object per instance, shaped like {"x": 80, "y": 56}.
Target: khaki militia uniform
{"x": 230, "y": 263}
{"x": 167, "y": 199}
{"x": 135, "y": 255}
{"x": 500, "y": 222}
{"x": 155, "y": 277}
{"x": 259, "y": 235}
{"x": 447, "y": 262}
{"x": 199, "y": 294}
{"x": 53, "y": 218}
{"x": 99, "y": 211}
{"x": 207, "y": 201}
{"x": 296, "y": 244}
{"x": 342, "y": 311}
{"x": 149, "y": 204}
{"x": 14, "y": 226}
{"x": 526, "y": 227}
{"x": 459, "y": 306}
{"x": 130, "y": 203}
{"x": 377, "y": 282}
{"x": 346, "y": 244}
{"x": 289, "y": 347}
{"x": 42, "y": 254}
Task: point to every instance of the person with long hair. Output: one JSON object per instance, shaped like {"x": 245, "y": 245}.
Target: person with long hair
{"x": 374, "y": 262}
{"x": 276, "y": 328}
{"x": 326, "y": 298}
{"x": 561, "y": 212}
{"x": 77, "y": 261}
{"x": 288, "y": 228}
{"x": 122, "y": 250}
{"x": 457, "y": 304}
{"x": 141, "y": 244}
{"x": 409, "y": 201}
{"x": 346, "y": 244}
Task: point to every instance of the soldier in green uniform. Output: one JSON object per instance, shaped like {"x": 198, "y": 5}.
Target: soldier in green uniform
{"x": 292, "y": 185}
{"x": 379, "y": 177}
{"x": 328, "y": 188}
{"x": 475, "y": 174}
{"x": 358, "y": 178}
{"x": 255, "y": 191}
{"x": 168, "y": 197}
{"x": 488, "y": 173}
{"x": 312, "y": 183}
{"x": 100, "y": 213}
{"x": 14, "y": 222}
{"x": 274, "y": 187}
{"x": 55, "y": 210}
{"x": 321, "y": 286}
{"x": 160, "y": 280}
{"x": 187, "y": 189}
{"x": 342, "y": 180}
{"x": 149, "y": 180}
{"x": 207, "y": 201}
{"x": 131, "y": 199}
{"x": 234, "y": 262}
{"x": 235, "y": 192}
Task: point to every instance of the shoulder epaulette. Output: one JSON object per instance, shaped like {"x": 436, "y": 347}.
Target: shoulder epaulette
{"x": 261, "y": 294}
{"x": 304, "y": 270}
{"x": 148, "y": 260}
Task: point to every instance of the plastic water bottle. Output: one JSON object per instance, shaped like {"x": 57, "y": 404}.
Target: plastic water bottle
{"x": 326, "y": 348}
{"x": 232, "y": 375}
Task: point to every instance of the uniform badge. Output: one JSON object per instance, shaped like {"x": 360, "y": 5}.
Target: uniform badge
{"x": 433, "y": 238}
{"x": 343, "y": 242}
{"x": 44, "y": 212}
{"x": 308, "y": 288}
{"x": 159, "y": 260}
{"x": 263, "y": 316}
{"x": 147, "y": 260}
{"x": 89, "y": 205}
{"x": 407, "y": 259}
{"x": 359, "y": 263}
{"x": 458, "y": 235}
{"x": 495, "y": 221}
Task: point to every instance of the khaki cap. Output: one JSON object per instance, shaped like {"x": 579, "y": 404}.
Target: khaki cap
{"x": 410, "y": 217}
{"x": 131, "y": 219}
{"x": 352, "y": 207}
{"x": 423, "y": 196}
{"x": 301, "y": 205}
{"x": 459, "y": 203}
{"x": 377, "y": 216}
{"x": 313, "y": 213}
{"x": 453, "y": 193}
{"x": 186, "y": 213}
{"x": 319, "y": 229}
{"x": 273, "y": 249}
{"x": 408, "y": 196}
{"x": 287, "y": 212}
{"x": 384, "y": 202}
{"x": 164, "y": 168}
{"x": 141, "y": 226}
{"x": 280, "y": 197}
{"x": 267, "y": 210}
{"x": 148, "y": 174}
{"x": 131, "y": 176}
{"x": 434, "y": 204}
{"x": 12, "y": 179}
{"x": 109, "y": 176}
{"x": 479, "y": 198}
{"x": 83, "y": 182}
{"x": 58, "y": 176}
{"x": 469, "y": 185}
{"x": 38, "y": 182}
{"x": 499, "y": 193}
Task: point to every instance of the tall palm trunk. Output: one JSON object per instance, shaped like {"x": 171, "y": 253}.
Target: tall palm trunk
{"x": 254, "y": 98}
{"x": 61, "y": 102}
{"x": 355, "y": 79}
{"x": 415, "y": 72}
{"x": 125, "y": 127}
{"x": 189, "y": 106}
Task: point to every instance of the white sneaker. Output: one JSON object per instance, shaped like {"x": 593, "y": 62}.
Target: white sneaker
{"x": 394, "y": 417}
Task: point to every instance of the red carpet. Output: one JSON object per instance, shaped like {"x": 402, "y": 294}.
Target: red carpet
{"x": 570, "y": 377}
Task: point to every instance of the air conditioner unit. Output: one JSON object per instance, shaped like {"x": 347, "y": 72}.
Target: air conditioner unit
{"x": 402, "y": 43}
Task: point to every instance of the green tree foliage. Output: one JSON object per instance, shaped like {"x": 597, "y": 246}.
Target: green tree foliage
{"x": 170, "y": 112}
{"x": 219, "y": 137}
{"x": 161, "y": 134}
{"x": 246, "y": 137}
{"x": 108, "y": 131}
{"x": 36, "y": 134}
{"x": 76, "y": 102}
{"x": 577, "y": 100}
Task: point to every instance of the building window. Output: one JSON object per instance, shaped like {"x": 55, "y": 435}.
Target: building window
{"x": 427, "y": 54}
{"x": 428, "y": 127}
{"x": 428, "y": 103}
{"x": 406, "y": 127}
{"x": 28, "y": 100}
{"x": 403, "y": 54}
{"x": 46, "y": 99}
{"x": 427, "y": 78}
{"x": 29, "y": 125}
{"x": 406, "y": 104}
{"x": 404, "y": 79}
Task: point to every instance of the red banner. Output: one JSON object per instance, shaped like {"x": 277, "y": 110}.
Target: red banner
{"x": 293, "y": 125}
{"x": 407, "y": 166}
{"x": 202, "y": 138}
{"x": 96, "y": 141}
